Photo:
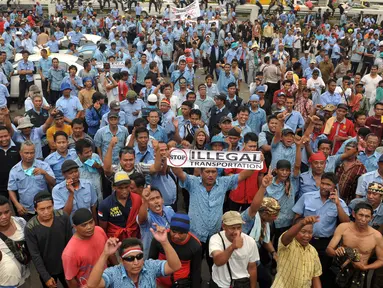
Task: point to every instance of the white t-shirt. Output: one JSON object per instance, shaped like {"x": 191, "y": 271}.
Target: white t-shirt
{"x": 238, "y": 261}
{"x": 28, "y": 104}
{"x": 370, "y": 84}
{"x": 12, "y": 273}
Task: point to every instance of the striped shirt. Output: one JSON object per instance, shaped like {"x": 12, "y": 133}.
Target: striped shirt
{"x": 297, "y": 265}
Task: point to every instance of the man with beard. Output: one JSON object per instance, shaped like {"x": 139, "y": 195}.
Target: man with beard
{"x": 152, "y": 211}
{"x": 82, "y": 251}
{"x": 331, "y": 209}
{"x": 47, "y": 234}
{"x": 74, "y": 193}
{"x": 354, "y": 243}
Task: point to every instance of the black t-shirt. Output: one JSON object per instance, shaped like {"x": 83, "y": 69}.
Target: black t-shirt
{"x": 110, "y": 210}
{"x": 8, "y": 159}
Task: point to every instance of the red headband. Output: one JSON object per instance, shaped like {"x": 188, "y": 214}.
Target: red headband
{"x": 319, "y": 156}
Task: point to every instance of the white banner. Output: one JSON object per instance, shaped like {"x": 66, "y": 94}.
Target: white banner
{"x": 114, "y": 65}
{"x": 183, "y": 13}
{"x": 186, "y": 158}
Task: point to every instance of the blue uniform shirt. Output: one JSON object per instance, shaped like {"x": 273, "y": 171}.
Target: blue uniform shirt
{"x": 45, "y": 65}
{"x": 310, "y": 204}
{"x": 295, "y": 120}
{"x": 103, "y": 138}
{"x": 140, "y": 72}
{"x": 28, "y": 185}
{"x": 130, "y": 108}
{"x": 84, "y": 196}
{"x": 366, "y": 179}
{"x": 307, "y": 183}
{"x": 282, "y": 152}
{"x": 26, "y": 66}
{"x": 328, "y": 98}
{"x": 256, "y": 120}
{"x": 69, "y": 106}
{"x": 35, "y": 137}
{"x": 370, "y": 162}
{"x": 205, "y": 209}
{"x": 224, "y": 80}
{"x": 55, "y": 161}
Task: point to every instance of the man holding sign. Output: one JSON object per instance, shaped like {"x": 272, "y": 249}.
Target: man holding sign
{"x": 207, "y": 194}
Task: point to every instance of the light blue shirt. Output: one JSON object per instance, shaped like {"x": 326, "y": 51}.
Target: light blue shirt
{"x": 295, "y": 120}
{"x": 176, "y": 74}
{"x": 91, "y": 174}
{"x": 84, "y": 196}
{"x": 149, "y": 158}
{"x": 55, "y": 161}
{"x": 56, "y": 77}
{"x": 159, "y": 133}
{"x": 104, "y": 136}
{"x": 116, "y": 276}
{"x": 45, "y": 65}
{"x": 370, "y": 162}
{"x": 78, "y": 80}
{"x": 69, "y": 106}
{"x": 167, "y": 186}
{"x": 205, "y": 209}
{"x": 53, "y": 46}
{"x": 366, "y": 179}
{"x": 75, "y": 37}
{"x": 35, "y": 137}
{"x": 28, "y": 186}
{"x": 26, "y": 66}
{"x": 224, "y": 80}
{"x": 277, "y": 191}
{"x": 305, "y": 62}
{"x": 256, "y": 120}
{"x": 244, "y": 130}
{"x": 307, "y": 183}
{"x": 332, "y": 162}
{"x": 310, "y": 204}
{"x": 129, "y": 108}
{"x": 282, "y": 152}
{"x": 4, "y": 94}
{"x": 328, "y": 98}
{"x": 140, "y": 72}
{"x": 230, "y": 55}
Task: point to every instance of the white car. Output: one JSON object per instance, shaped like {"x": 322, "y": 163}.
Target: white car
{"x": 64, "y": 42}
{"x": 65, "y": 61}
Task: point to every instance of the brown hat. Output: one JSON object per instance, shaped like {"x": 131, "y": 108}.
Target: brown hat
{"x": 232, "y": 218}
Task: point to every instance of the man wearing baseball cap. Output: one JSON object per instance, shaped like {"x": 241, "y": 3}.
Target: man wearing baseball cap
{"x": 234, "y": 254}
{"x": 69, "y": 105}
{"x": 74, "y": 193}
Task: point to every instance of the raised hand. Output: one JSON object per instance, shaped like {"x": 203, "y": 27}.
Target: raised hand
{"x": 111, "y": 246}
{"x": 237, "y": 242}
{"x": 310, "y": 220}
{"x": 160, "y": 234}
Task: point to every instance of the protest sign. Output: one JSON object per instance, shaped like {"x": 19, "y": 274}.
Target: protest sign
{"x": 114, "y": 65}
{"x": 191, "y": 11}
{"x": 186, "y": 158}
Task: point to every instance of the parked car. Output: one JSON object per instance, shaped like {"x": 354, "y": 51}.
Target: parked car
{"x": 65, "y": 61}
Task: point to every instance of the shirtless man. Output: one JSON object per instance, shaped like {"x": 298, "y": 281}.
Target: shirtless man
{"x": 360, "y": 236}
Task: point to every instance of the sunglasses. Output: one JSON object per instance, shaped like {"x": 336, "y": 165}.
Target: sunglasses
{"x": 132, "y": 258}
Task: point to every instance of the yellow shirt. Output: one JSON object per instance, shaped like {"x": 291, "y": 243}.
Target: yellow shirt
{"x": 297, "y": 265}
{"x": 53, "y": 129}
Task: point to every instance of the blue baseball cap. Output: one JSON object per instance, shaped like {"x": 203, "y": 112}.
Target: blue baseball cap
{"x": 65, "y": 86}
{"x": 217, "y": 139}
{"x": 260, "y": 88}
{"x": 254, "y": 97}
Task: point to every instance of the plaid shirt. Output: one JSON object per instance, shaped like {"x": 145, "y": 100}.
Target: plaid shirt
{"x": 304, "y": 106}
{"x": 348, "y": 179}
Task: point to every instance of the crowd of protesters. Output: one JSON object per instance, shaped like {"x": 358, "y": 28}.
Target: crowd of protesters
{"x": 87, "y": 196}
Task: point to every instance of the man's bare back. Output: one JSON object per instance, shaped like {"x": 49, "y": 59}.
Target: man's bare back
{"x": 364, "y": 241}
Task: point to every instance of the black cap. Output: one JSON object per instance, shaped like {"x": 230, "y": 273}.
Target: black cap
{"x": 234, "y": 132}
{"x": 287, "y": 131}
{"x": 68, "y": 165}
{"x": 59, "y": 114}
{"x": 81, "y": 215}
{"x": 342, "y": 106}
{"x": 224, "y": 119}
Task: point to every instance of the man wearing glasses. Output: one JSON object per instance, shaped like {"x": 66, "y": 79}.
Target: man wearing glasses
{"x": 134, "y": 271}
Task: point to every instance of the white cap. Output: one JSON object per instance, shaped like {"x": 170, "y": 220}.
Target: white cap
{"x": 19, "y": 33}
{"x": 381, "y": 43}
{"x": 152, "y": 98}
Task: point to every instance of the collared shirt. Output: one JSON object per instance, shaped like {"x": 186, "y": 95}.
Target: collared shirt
{"x": 328, "y": 98}
{"x": 55, "y": 161}
{"x": 55, "y": 77}
{"x": 159, "y": 133}
{"x": 224, "y": 80}
{"x": 343, "y": 147}
{"x": 69, "y": 106}
{"x": 26, "y": 66}
{"x": 149, "y": 155}
{"x": 167, "y": 185}
{"x": 103, "y": 138}
{"x": 77, "y": 80}
{"x": 282, "y": 152}
{"x": 205, "y": 209}
{"x": 230, "y": 55}
{"x": 256, "y": 120}
{"x": 370, "y": 162}
{"x": 305, "y": 261}
{"x": 45, "y": 65}
{"x": 295, "y": 120}
{"x": 84, "y": 196}
{"x": 278, "y": 192}
{"x": 116, "y": 276}
{"x": 244, "y": 129}
{"x": 205, "y": 105}
{"x": 35, "y": 137}
{"x": 178, "y": 74}
{"x": 141, "y": 72}
{"x": 167, "y": 123}
{"x": 75, "y": 37}
{"x": 28, "y": 186}
{"x": 332, "y": 162}
{"x": 311, "y": 204}
{"x": 307, "y": 183}
{"x": 366, "y": 179}
{"x": 130, "y": 108}
{"x": 4, "y": 94}
{"x": 211, "y": 91}
{"x": 91, "y": 174}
